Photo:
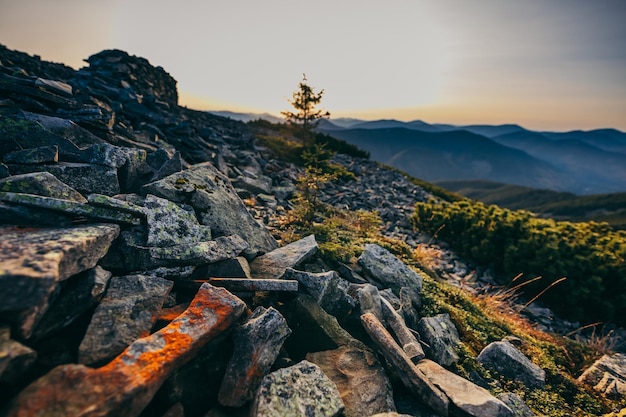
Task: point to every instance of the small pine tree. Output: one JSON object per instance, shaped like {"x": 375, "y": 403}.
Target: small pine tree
{"x": 305, "y": 101}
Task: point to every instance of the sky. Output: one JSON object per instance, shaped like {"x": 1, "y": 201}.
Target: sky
{"x": 546, "y": 65}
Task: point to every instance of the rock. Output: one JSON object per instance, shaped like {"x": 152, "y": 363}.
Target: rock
{"x": 313, "y": 329}
{"x": 79, "y": 293}
{"x": 230, "y": 268}
{"x": 127, "y": 384}
{"x": 215, "y": 201}
{"x": 359, "y": 377}
{"x": 272, "y": 265}
{"x": 57, "y": 86}
{"x": 40, "y": 183}
{"x": 70, "y": 208}
{"x": 85, "y": 178}
{"x": 301, "y": 390}
{"x": 67, "y": 129}
{"x": 412, "y": 378}
{"x": 15, "y": 358}
{"x": 99, "y": 200}
{"x": 441, "y": 338}
{"x": 407, "y": 340}
{"x": 260, "y": 185}
{"x": 466, "y": 396}
{"x": 257, "y": 344}
{"x": 247, "y": 284}
{"x": 222, "y": 248}
{"x": 32, "y": 263}
{"x": 127, "y": 312}
{"x": 330, "y": 290}
{"x": 170, "y": 224}
{"x": 368, "y": 298}
{"x": 509, "y": 362}
{"x": 40, "y": 155}
{"x": 515, "y": 404}
{"x": 607, "y": 375}
{"x": 386, "y": 270}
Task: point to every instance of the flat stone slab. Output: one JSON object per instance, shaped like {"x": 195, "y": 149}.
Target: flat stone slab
{"x": 15, "y": 358}
{"x": 32, "y": 262}
{"x": 301, "y": 390}
{"x": 441, "y": 337}
{"x": 245, "y": 284}
{"x": 127, "y": 312}
{"x": 40, "y": 183}
{"x": 387, "y": 270}
{"x": 125, "y": 386}
{"x": 272, "y": 265}
{"x": 465, "y": 395}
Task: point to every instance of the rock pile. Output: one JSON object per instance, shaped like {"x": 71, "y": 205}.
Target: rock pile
{"x": 134, "y": 280}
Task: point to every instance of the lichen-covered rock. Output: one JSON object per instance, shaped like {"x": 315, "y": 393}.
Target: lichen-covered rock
{"x": 509, "y": 362}
{"x": 170, "y": 224}
{"x": 230, "y": 268}
{"x": 217, "y": 204}
{"x": 33, "y": 262}
{"x": 441, "y": 338}
{"x": 360, "y": 379}
{"x": 607, "y": 375}
{"x": 301, "y": 390}
{"x": 85, "y": 178}
{"x": 273, "y": 265}
{"x": 125, "y": 386}
{"x": 127, "y": 312}
{"x": 386, "y": 270}
{"x": 516, "y": 404}
{"x": 328, "y": 288}
{"x": 40, "y": 155}
{"x": 40, "y": 183}
{"x": 257, "y": 344}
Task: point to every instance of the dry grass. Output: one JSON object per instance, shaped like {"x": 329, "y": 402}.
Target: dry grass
{"x": 427, "y": 256}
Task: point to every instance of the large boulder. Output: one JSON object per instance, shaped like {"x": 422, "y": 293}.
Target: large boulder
{"x": 216, "y": 203}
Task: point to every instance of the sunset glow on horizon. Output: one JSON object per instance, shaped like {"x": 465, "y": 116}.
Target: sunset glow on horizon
{"x": 558, "y": 65}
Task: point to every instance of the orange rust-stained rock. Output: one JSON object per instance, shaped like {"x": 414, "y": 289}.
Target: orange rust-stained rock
{"x": 126, "y": 385}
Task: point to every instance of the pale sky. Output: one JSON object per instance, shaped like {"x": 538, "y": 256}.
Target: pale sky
{"x": 547, "y": 65}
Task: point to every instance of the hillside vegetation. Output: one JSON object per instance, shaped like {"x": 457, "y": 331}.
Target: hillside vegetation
{"x": 589, "y": 255}
{"x": 610, "y": 208}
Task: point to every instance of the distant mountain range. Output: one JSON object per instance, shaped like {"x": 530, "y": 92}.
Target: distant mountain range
{"x": 580, "y": 162}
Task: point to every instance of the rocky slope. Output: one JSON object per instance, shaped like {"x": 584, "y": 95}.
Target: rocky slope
{"x": 135, "y": 281}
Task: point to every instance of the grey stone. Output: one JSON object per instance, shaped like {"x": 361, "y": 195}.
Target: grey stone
{"x": 247, "y": 284}
{"x": 607, "y": 375}
{"x": 40, "y": 183}
{"x": 69, "y": 207}
{"x": 80, "y": 293}
{"x": 40, "y": 155}
{"x": 230, "y": 268}
{"x": 328, "y": 288}
{"x": 272, "y": 265}
{"x": 130, "y": 163}
{"x": 257, "y": 344}
{"x": 509, "y": 362}
{"x": 387, "y": 270}
{"x": 466, "y": 396}
{"x": 515, "y": 404}
{"x": 368, "y": 298}
{"x": 100, "y": 200}
{"x": 85, "y": 178}
{"x": 407, "y": 340}
{"x": 360, "y": 379}
{"x": 222, "y": 248}
{"x": 4, "y": 171}
{"x": 215, "y": 201}
{"x": 170, "y": 224}
{"x": 72, "y": 135}
{"x": 32, "y": 263}
{"x": 260, "y": 185}
{"x": 56, "y": 86}
{"x": 301, "y": 390}
{"x": 15, "y": 358}
{"x": 441, "y": 338}
{"x": 127, "y": 312}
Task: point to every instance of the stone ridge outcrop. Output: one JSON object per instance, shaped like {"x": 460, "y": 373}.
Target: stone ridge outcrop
{"x": 134, "y": 281}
